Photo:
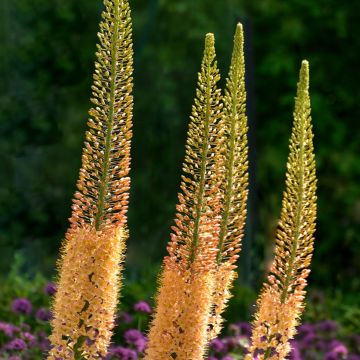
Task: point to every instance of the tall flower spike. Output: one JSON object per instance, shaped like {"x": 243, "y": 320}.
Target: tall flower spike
{"x": 232, "y": 169}
{"x": 179, "y": 328}
{"x": 89, "y": 268}
{"x": 103, "y": 185}
{"x": 281, "y": 301}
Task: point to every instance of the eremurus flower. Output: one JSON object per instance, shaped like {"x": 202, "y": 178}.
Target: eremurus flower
{"x": 86, "y": 300}
{"x": 282, "y": 299}
{"x": 179, "y": 327}
{"x": 92, "y": 253}
{"x": 232, "y": 170}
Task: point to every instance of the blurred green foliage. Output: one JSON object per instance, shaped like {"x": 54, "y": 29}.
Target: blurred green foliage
{"x": 47, "y": 55}
{"x": 20, "y": 285}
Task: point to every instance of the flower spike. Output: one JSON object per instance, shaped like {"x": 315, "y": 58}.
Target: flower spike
{"x": 179, "y": 327}
{"x": 232, "y": 168}
{"x": 281, "y": 301}
{"x": 103, "y": 185}
{"x": 93, "y": 250}
{"x": 193, "y": 235}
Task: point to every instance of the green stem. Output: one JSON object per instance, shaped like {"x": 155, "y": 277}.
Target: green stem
{"x": 267, "y": 353}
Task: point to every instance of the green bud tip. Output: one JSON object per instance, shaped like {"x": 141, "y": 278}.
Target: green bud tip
{"x": 209, "y": 40}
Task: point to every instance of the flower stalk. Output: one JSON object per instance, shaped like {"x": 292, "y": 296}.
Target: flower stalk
{"x": 179, "y": 327}
{"x": 93, "y": 250}
{"x": 232, "y": 169}
{"x": 282, "y": 299}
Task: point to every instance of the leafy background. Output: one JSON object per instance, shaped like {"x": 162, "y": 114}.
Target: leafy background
{"x": 46, "y": 64}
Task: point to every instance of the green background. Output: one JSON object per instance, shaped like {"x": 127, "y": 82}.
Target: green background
{"x": 46, "y": 64}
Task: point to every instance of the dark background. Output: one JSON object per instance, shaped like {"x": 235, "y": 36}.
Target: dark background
{"x": 46, "y": 64}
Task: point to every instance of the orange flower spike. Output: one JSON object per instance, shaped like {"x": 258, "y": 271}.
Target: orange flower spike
{"x": 92, "y": 255}
{"x": 103, "y": 185}
{"x": 179, "y": 327}
{"x": 88, "y": 290}
{"x": 232, "y": 170}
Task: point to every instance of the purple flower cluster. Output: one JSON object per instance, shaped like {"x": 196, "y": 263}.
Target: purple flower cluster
{"x": 136, "y": 338}
{"x": 8, "y": 329}
{"x": 22, "y": 306}
{"x": 21, "y": 342}
{"x": 143, "y": 307}
{"x": 43, "y": 314}
{"x": 135, "y": 342}
{"x": 320, "y": 338}
{"x": 50, "y": 289}
{"x": 123, "y": 353}
{"x": 313, "y": 342}
{"x": 29, "y": 340}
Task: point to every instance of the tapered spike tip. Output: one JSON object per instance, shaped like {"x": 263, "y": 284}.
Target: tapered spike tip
{"x": 209, "y": 40}
{"x": 239, "y": 31}
{"x": 304, "y": 75}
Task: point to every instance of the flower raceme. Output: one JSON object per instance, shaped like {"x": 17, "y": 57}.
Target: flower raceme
{"x": 281, "y": 301}
{"x": 232, "y": 172}
{"x": 92, "y": 253}
{"x": 86, "y": 300}
{"x": 205, "y": 241}
{"x": 179, "y": 327}
{"x": 200, "y": 268}
{"x": 199, "y": 272}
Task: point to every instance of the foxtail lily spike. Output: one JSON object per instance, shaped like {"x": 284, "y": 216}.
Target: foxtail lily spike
{"x": 232, "y": 168}
{"x": 179, "y": 327}
{"x": 282, "y": 299}
{"x": 92, "y": 253}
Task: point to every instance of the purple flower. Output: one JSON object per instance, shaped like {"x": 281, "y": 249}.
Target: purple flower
{"x": 141, "y": 344}
{"x": 306, "y": 329}
{"x": 227, "y": 357}
{"x": 143, "y": 307}
{"x": 353, "y": 357}
{"x": 295, "y": 352}
{"x": 137, "y": 338}
{"x": 338, "y": 351}
{"x": 218, "y": 345}
{"x": 122, "y": 353}
{"x": 14, "y": 358}
{"x": 133, "y": 335}
{"x": 8, "y": 329}
{"x": 43, "y": 314}
{"x": 233, "y": 342}
{"x": 44, "y": 344}
{"x": 31, "y": 339}
{"x": 42, "y": 334}
{"x": 21, "y": 306}
{"x": 124, "y": 317}
{"x": 25, "y": 327}
{"x": 241, "y": 328}
{"x": 327, "y": 326}
{"x": 308, "y": 339}
{"x": 245, "y": 328}
{"x": 50, "y": 289}
{"x": 16, "y": 344}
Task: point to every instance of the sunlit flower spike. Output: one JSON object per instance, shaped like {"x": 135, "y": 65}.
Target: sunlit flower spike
{"x": 282, "y": 299}
{"x": 92, "y": 253}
